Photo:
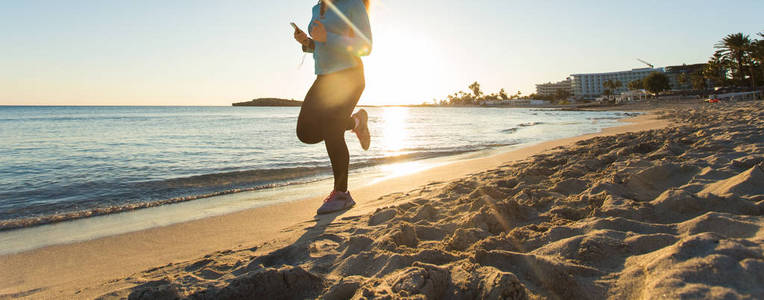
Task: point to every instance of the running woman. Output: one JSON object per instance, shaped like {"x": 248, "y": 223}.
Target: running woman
{"x": 339, "y": 35}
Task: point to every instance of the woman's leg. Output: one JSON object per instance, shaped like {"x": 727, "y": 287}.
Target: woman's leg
{"x": 350, "y": 85}
{"x": 309, "y": 123}
{"x": 334, "y": 139}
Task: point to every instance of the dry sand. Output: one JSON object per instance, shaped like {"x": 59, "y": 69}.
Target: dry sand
{"x": 666, "y": 213}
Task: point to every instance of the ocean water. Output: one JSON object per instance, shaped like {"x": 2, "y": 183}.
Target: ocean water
{"x": 61, "y": 163}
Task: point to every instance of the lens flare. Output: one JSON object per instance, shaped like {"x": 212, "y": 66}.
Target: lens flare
{"x": 347, "y": 21}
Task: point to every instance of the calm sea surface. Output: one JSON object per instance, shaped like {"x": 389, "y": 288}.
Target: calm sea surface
{"x": 60, "y": 163}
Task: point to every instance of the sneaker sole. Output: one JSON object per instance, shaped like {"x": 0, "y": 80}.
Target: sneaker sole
{"x": 334, "y": 211}
{"x": 364, "y": 123}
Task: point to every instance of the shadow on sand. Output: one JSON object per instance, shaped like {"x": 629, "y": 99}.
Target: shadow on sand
{"x": 276, "y": 275}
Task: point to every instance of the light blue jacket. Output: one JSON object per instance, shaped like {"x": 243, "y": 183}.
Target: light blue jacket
{"x": 343, "y": 45}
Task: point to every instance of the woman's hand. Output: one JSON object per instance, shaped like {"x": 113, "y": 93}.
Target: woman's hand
{"x": 318, "y": 32}
{"x": 301, "y": 37}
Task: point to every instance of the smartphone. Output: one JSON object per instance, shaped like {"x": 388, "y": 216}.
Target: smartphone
{"x": 295, "y": 26}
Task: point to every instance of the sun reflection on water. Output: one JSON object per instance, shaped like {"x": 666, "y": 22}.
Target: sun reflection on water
{"x": 394, "y": 133}
{"x": 400, "y": 169}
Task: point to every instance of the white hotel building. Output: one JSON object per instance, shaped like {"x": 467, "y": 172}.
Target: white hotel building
{"x": 588, "y": 86}
{"x": 550, "y": 88}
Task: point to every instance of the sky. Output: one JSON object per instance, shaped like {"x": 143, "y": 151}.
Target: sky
{"x": 194, "y": 52}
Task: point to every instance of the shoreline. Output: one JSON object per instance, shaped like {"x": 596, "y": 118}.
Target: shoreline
{"x": 321, "y": 174}
{"x": 167, "y": 174}
{"x": 65, "y": 270}
{"x": 171, "y": 190}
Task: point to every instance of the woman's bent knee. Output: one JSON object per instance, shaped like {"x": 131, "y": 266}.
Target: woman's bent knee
{"x": 308, "y": 136}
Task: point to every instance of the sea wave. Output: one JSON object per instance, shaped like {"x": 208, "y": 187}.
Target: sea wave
{"x": 605, "y": 118}
{"x": 225, "y": 183}
{"x": 68, "y": 216}
{"x": 529, "y": 124}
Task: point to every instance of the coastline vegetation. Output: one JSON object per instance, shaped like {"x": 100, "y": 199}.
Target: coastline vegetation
{"x": 738, "y": 62}
{"x": 269, "y": 102}
{"x": 476, "y": 96}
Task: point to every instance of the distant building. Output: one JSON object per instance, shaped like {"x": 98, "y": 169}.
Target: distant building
{"x": 551, "y": 88}
{"x": 674, "y": 72}
{"x": 528, "y": 102}
{"x": 496, "y": 102}
{"x": 589, "y": 86}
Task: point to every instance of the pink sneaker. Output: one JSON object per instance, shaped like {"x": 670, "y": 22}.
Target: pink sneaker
{"x": 336, "y": 201}
{"x": 362, "y": 130}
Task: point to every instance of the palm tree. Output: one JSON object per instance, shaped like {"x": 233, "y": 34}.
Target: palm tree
{"x": 475, "y": 88}
{"x": 735, "y": 46}
{"x": 635, "y": 85}
{"x": 717, "y": 68}
{"x": 606, "y": 85}
{"x": 610, "y": 87}
{"x": 757, "y": 52}
{"x": 462, "y": 98}
{"x": 698, "y": 81}
{"x": 503, "y": 94}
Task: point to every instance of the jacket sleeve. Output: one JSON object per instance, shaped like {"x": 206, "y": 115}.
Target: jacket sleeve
{"x": 310, "y": 47}
{"x": 359, "y": 41}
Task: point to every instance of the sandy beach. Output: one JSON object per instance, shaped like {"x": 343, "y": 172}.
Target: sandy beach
{"x": 666, "y": 206}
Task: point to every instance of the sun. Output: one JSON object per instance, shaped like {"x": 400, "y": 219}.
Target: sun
{"x": 405, "y": 66}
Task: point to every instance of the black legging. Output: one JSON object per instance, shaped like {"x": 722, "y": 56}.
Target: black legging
{"x": 325, "y": 116}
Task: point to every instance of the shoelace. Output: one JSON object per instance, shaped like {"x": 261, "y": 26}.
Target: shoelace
{"x": 331, "y": 195}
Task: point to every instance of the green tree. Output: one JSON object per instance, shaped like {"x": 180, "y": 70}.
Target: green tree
{"x": 561, "y": 94}
{"x": 503, "y": 95}
{"x": 607, "y": 83}
{"x": 475, "y": 88}
{"x": 698, "y": 81}
{"x": 656, "y": 82}
{"x": 635, "y": 85}
{"x": 735, "y": 47}
{"x": 717, "y": 68}
{"x": 757, "y": 53}
{"x": 682, "y": 79}
{"x": 610, "y": 87}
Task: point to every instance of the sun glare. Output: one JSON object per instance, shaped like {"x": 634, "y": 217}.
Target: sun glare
{"x": 394, "y": 133}
{"x": 403, "y": 57}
